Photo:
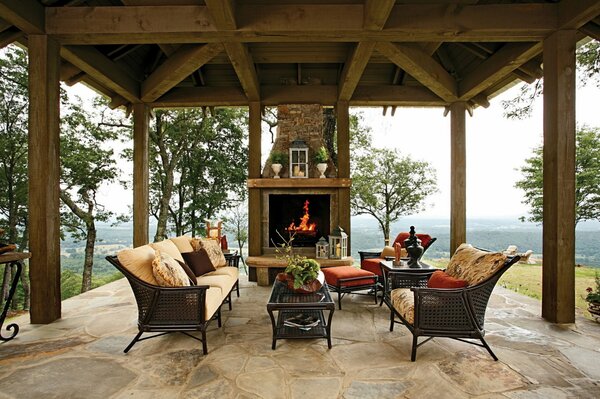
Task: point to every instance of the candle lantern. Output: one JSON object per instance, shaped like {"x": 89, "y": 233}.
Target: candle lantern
{"x": 322, "y": 247}
{"x": 213, "y": 230}
{"x": 338, "y": 243}
{"x": 298, "y": 159}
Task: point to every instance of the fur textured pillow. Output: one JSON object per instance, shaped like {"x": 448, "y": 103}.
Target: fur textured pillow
{"x": 212, "y": 248}
{"x": 167, "y": 272}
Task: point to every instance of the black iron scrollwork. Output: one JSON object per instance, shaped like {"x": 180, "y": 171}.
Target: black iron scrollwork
{"x": 13, "y": 287}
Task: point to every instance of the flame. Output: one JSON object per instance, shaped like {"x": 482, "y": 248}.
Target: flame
{"x": 304, "y": 222}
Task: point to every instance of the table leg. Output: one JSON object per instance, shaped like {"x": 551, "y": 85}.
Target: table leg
{"x": 11, "y": 293}
{"x": 328, "y": 328}
{"x": 274, "y": 327}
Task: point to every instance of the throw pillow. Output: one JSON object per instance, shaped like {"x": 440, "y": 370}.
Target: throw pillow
{"x": 189, "y": 272}
{"x": 199, "y": 262}
{"x": 440, "y": 279}
{"x": 167, "y": 272}
{"x": 213, "y": 249}
{"x": 167, "y": 247}
{"x": 474, "y": 265}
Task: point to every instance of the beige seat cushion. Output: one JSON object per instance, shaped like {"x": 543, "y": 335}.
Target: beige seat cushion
{"x": 183, "y": 243}
{"x": 168, "y": 272}
{"x": 168, "y": 247}
{"x": 474, "y": 265}
{"x": 403, "y": 300}
{"x": 213, "y": 301}
{"x": 138, "y": 261}
{"x": 226, "y": 270}
{"x": 213, "y": 249}
{"x": 223, "y": 282}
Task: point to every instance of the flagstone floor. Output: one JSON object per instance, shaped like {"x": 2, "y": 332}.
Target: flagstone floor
{"x": 81, "y": 356}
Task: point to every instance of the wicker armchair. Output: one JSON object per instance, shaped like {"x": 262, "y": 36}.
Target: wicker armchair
{"x": 166, "y": 310}
{"x": 452, "y": 313}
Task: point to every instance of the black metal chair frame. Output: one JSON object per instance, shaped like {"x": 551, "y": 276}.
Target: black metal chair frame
{"x": 168, "y": 309}
{"x": 344, "y": 290}
{"x": 451, "y": 313}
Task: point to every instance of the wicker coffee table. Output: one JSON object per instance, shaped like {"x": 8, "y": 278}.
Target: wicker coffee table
{"x": 296, "y": 308}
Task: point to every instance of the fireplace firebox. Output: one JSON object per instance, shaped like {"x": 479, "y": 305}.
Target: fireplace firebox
{"x": 305, "y": 216}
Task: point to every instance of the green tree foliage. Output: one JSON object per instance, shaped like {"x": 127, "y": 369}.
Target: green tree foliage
{"x": 587, "y": 182}
{"x": 198, "y": 164}
{"x": 87, "y": 162}
{"x": 387, "y": 185}
{"x": 13, "y": 158}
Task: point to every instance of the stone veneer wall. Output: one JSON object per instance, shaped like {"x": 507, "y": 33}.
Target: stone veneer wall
{"x": 300, "y": 122}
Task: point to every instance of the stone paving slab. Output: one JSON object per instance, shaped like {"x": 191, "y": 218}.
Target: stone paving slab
{"x": 81, "y": 355}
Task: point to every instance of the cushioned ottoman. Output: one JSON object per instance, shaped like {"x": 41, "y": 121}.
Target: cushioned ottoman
{"x": 347, "y": 279}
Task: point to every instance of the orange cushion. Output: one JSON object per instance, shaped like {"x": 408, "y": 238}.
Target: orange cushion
{"x": 334, "y": 274}
{"x": 440, "y": 279}
{"x": 372, "y": 265}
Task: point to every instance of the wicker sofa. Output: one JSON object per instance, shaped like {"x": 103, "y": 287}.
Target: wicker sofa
{"x": 175, "y": 309}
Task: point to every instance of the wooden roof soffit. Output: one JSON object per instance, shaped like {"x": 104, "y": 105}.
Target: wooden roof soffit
{"x": 223, "y": 15}
{"x": 27, "y": 15}
{"x": 376, "y": 13}
{"x": 498, "y": 66}
{"x": 306, "y": 22}
{"x": 177, "y": 67}
{"x": 103, "y": 70}
{"x": 420, "y": 65}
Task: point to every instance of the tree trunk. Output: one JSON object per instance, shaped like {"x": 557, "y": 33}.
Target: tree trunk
{"x": 26, "y": 287}
{"x": 329, "y": 124}
{"x": 163, "y": 207}
{"x": 386, "y": 232}
{"x": 88, "y": 262}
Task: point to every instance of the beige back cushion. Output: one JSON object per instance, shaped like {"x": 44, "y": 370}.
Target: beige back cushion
{"x": 139, "y": 262}
{"x": 168, "y": 247}
{"x": 474, "y": 265}
{"x": 388, "y": 251}
{"x": 183, "y": 244}
{"x": 212, "y": 248}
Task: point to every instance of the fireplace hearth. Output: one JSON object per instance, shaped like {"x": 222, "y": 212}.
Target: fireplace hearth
{"x": 306, "y": 217}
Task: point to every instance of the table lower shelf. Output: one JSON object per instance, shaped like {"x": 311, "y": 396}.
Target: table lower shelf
{"x": 281, "y": 331}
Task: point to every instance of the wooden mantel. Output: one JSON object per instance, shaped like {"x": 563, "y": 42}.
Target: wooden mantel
{"x": 300, "y": 183}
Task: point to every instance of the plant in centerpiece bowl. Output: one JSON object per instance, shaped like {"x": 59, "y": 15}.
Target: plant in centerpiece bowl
{"x": 302, "y": 274}
{"x": 278, "y": 160}
{"x": 593, "y": 298}
{"x": 321, "y": 158}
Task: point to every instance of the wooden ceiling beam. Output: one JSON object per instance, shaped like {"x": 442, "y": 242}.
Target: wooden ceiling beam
{"x": 27, "y": 15}
{"x": 310, "y": 22}
{"x": 502, "y": 63}
{"x": 376, "y": 13}
{"x": 573, "y": 14}
{"x": 367, "y": 96}
{"x": 103, "y": 70}
{"x": 9, "y": 36}
{"x": 177, "y": 67}
{"x": 354, "y": 68}
{"x": 420, "y": 65}
{"x": 202, "y": 96}
{"x": 223, "y": 13}
{"x": 592, "y": 30}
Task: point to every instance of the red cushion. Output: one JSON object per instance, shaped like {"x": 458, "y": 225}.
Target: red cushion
{"x": 333, "y": 274}
{"x": 440, "y": 279}
{"x": 372, "y": 265}
{"x": 425, "y": 239}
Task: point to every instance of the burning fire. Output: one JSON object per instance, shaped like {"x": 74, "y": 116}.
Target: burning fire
{"x": 304, "y": 225}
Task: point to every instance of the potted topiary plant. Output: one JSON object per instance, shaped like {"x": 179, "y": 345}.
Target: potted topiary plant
{"x": 321, "y": 158}
{"x": 593, "y": 298}
{"x": 278, "y": 159}
{"x": 301, "y": 275}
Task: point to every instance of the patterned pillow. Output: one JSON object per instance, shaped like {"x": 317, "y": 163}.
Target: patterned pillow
{"x": 403, "y": 300}
{"x": 212, "y": 248}
{"x": 474, "y": 265}
{"x": 167, "y": 272}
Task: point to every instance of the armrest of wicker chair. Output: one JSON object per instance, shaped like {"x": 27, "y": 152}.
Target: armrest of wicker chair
{"x": 368, "y": 255}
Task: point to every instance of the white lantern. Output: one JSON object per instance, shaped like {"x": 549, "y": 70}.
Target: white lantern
{"x": 322, "y": 248}
{"x": 338, "y": 243}
{"x": 298, "y": 159}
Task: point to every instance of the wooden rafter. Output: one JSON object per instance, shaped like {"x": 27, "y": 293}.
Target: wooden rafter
{"x": 572, "y": 14}
{"x": 177, "y": 67}
{"x": 502, "y": 63}
{"x": 27, "y": 15}
{"x": 376, "y": 13}
{"x": 285, "y": 23}
{"x": 103, "y": 70}
{"x": 420, "y": 65}
{"x": 592, "y": 30}
{"x": 9, "y": 36}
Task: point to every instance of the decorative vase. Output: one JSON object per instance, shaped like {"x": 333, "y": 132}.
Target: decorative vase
{"x": 413, "y": 248}
{"x": 276, "y": 169}
{"x": 322, "y": 167}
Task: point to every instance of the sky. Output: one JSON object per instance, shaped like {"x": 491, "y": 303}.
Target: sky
{"x": 496, "y": 149}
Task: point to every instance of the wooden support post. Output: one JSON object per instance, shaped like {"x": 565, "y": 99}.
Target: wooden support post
{"x": 458, "y": 176}
{"x": 254, "y": 171}
{"x": 343, "y": 156}
{"x": 44, "y": 179}
{"x": 558, "y": 271}
{"x": 141, "y": 175}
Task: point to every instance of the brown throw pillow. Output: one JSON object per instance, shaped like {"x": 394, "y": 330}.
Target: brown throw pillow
{"x": 213, "y": 249}
{"x": 189, "y": 272}
{"x": 199, "y": 262}
{"x": 167, "y": 271}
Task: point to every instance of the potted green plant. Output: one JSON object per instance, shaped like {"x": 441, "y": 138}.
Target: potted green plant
{"x": 302, "y": 274}
{"x": 321, "y": 158}
{"x": 278, "y": 159}
{"x": 593, "y": 298}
